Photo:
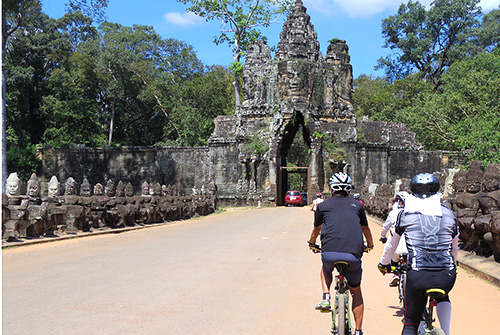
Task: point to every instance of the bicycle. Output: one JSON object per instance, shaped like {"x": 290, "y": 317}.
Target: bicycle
{"x": 341, "y": 317}
{"x": 432, "y": 294}
{"x": 401, "y": 272}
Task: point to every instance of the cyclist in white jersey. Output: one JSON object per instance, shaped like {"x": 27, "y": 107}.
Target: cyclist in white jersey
{"x": 431, "y": 233}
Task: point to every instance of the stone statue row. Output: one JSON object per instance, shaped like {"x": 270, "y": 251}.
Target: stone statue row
{"x": 474, "y": 196}
{"x": 97, "y": 208}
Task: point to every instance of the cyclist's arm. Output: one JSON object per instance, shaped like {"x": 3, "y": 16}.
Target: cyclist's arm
{"x": 387, "y": 224}
{"x": 318, "y": 223}
{"x": 389, "y": 249}
{"x": 314, "y": 234}
{"x": 368, "y": 236}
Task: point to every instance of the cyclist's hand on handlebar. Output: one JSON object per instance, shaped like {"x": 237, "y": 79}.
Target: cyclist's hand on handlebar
{"x": 368, "y": 248}
{"x": 314, "y": 247}
{"x": 383, "y": 239}
{"x": 384, "y": 268}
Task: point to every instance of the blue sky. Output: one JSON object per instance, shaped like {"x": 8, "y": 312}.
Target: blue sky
{"x": 356, "y": 21}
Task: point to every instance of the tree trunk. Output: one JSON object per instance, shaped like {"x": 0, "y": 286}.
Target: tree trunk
{"x": 6, "y": 33}
{"x": 111, "y": 123}
{"x": 237, "y": 90}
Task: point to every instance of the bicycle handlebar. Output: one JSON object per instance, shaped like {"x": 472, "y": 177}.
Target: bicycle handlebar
{"x": 314, "y": 247}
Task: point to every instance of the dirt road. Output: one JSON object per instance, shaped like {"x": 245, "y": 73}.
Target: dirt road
{"x": 240, "y": 272}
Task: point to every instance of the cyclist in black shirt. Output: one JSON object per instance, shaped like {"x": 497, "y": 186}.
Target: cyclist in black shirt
{"x": 342, "y": 222}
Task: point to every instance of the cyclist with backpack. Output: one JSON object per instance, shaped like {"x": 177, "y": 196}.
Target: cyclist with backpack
{"x": 342, "y": 223}
{"x": 431, "y": 233}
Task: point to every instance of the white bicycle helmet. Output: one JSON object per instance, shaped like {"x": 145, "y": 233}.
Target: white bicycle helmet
{"x": 340, "y": 182}
{"x": 401, "y": 196}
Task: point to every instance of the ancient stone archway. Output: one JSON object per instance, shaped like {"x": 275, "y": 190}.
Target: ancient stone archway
{"x": 298, "y": 88}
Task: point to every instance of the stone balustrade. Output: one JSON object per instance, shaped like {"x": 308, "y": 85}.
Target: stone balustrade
{"x": 473, "y": 195}
{"x": 32, "y": 216}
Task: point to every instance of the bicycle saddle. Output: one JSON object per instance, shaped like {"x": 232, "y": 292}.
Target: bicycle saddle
{"x": 341, "y": 266}
{"x": 435, "y": 293}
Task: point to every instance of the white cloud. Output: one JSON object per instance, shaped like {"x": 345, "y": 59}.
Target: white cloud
{"x": 183, "y": 19}
{"x": 368, "y": 8}
{"x": 488, "y": 5}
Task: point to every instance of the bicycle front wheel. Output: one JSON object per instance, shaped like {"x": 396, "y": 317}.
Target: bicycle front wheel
{"x": 402, "y": 288}
{"x": 437, "y": 331}
{"x": 341, "y": 314}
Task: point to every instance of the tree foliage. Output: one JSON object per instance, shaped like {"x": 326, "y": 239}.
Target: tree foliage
{"x": 463, "y": 115}
{"x": 239, "y": 22}
{"x": 71, "y": 82}
{"x": 429, "y": 41}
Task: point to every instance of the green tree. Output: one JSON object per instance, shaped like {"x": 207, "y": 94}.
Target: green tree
{"x": 429, "y": 41}
{"x": 239, "y": 22}
{"x": 370, "y": 96}
{"x": 26, "y": 14}
{"x": 488, "y": 36}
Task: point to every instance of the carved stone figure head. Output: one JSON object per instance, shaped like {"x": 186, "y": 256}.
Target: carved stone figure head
{"x": 129, "y": 190}
{"x": 156, "y": 189}
{"x": 70, "y": 186}
{"x": 53, "y": 187}
{"x": 85, "y": 188}
{"x": 120, "y": 189}
{"x": 13, "y": 185}
{"x": 110, "y": 189}
{"x": 145, "y": 189}
{"x": 98, "y": 189}
{"x": 33, "y": 189}
{"x": 491, "y": 178}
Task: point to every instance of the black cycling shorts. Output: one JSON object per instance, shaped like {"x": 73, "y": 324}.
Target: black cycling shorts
{"x": 352, "y": 273}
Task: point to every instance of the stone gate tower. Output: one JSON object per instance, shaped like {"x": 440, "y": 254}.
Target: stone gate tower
{"x": 298, "y": 88}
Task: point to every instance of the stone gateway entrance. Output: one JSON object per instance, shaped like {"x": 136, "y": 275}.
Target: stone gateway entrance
{"x": 298, "y": 91}
{"x": 298, "y": 88}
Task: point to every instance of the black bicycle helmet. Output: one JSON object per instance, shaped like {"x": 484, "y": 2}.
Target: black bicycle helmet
{"x": 424, "y": 185}
{"x": 340, "y": 182}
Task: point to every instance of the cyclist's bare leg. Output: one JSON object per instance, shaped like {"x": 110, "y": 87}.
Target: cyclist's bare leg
{"x": 358, "y": 306}
{"x": 325, "y": 284}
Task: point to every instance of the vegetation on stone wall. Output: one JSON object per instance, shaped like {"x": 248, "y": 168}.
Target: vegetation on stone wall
{"x": 256, "y": 144}
{"x": 334, "y": 155}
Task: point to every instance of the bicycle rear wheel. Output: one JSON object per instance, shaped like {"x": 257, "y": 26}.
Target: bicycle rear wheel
{"x": 341, "y": 314}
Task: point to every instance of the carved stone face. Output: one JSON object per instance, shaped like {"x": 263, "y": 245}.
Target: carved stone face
{"x": 53, "y": 191}
{"x": 98, "y": 189}
{"x": 33, "y": 189}
{"x": 13, "y": 187}
{"x": 145, "y": 189}
{"x": 70, "y": 187}
{"x": 129, "y": 190}
{"x": 110, "y": 190}
{"x": 85, "y": 190}
{"x": 120, "y": 192}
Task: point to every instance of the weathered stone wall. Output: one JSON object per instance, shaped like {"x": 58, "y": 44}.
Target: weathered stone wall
{"x": 184, "y": 167}
{"x": 473, "y": 195}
